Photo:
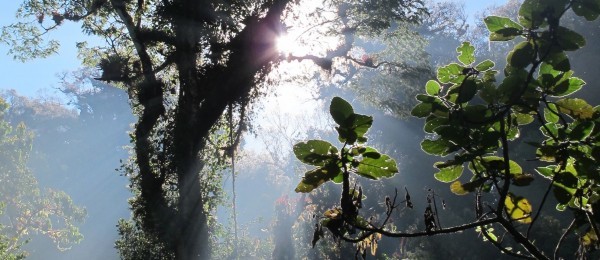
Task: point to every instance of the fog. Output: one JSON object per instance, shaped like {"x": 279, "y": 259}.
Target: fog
{"x": 81, "y": 143}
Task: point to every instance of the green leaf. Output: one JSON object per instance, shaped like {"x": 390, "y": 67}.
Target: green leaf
{"x": 439, "y": 147}
{"x": 316, "y": 177}
{"x": 340, "y": 111}
{"x": 452, "y": 73}
{"x": 531, "y": 13}
{"x": 590, "y": 9}
{"x": 569, "y": 40}
{"x": 434, "y": 122}
{"x": 559, "y": 61}
{"x": 518, "y": 208}
{"x": 522, "y": 55}
{"x": 502, "y": 28}
{"x": 523, "y": 119}
{"x": 360, "y": 125}
{"x": 567, "y": 87}
{"x": 576, "y": 108}
{"x": 315, "y": 152}
{"x": 466, "y": 91}
{"x": 547, "y": 171}
{"x": 484, "y": 65}
{"x": 582, "y": 131}
{"x": 356, "y": 126}
{"x": 550, "y": 113}
{"x": 422, "y": 110}
{"x": 466, "y": 53}
{"x": 449, "y": 174}
{"x": 375, "y": 165}
{"x": 496, "y": 163}
{"x": 432, "y": 87}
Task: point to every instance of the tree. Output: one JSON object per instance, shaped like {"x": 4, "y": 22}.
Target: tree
{"x": 29, "y": 209}
{"x": 475, "y": 119}
{"x": 183, "y": 63}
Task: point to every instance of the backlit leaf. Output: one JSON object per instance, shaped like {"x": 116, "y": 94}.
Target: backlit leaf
{"x": 436, "y": 147}
{"x": 452, "y": 73}
{"x": 582, "y": 131}
{"x": 432, "y": 87}
{"x": 449, "y": 174}
{"x": 466, "y": 53}
{"x": 576, "y": 108}
{"x": 422, "y": 110}
{"x": 569, "y": 40}
{"x": 340, "y": 110}
{"x": 457, "y": 188}
{"x": 315, "y": 152}
{"x": 502, "y": 28}
{"x": 484, "y": 65}
{"x": 550, "y": 113}
{"x": 316, "y": 177}
{"x": 518, "y": 208}
{"x": 466, "y": 91}
{"x": 375, "y": 165}
{"x": 522, "y": 55}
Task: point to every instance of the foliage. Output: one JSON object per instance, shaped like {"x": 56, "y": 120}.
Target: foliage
{"x": 474, "y": 118}
{"x": 29, "y": 208}
{"x": 8, "y": 249}
{"x": 336, "y": 165}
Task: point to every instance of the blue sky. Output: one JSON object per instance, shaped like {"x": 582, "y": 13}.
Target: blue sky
{"x": 41, "y": 75}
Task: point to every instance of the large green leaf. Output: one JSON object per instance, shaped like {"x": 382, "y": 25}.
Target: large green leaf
{"x": 375, "y": 165}
{"x": 569, "y": 40}
{"x": 558, "y": 60}
{"x": 566, "y": 87}
{"x": 361, "y": 124}
{"x": 522, "y": 55}
{"x": 582, "y": 131}
{"x": 484, "y": 65}
{"x": 356, "y": 126}
{"x": 340, "y": 111}
{"x": 502, "y": 28}
{"x": 434, "y": 122}
{"x": 316, "y": 177}
{"x": 422, "y": 110}
{"x": 466, "y": 91}
{"x": 432, "y": 87}
{"x": 452, "y": 73}
{"x": 531, "y": 13}
{"x": 576, "y": 108}
{"x": 448, "y": 174}
{"x": 439, "y": 147}
{"x": 466, "y": 53}
{"x": 315, "y": 152}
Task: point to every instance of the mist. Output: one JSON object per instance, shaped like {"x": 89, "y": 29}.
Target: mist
{"x": 73, "y": 185}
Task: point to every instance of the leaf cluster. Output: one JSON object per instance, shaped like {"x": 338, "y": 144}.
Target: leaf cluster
{"x": 473, "y": 115}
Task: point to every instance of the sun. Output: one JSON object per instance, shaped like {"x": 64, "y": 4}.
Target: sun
{"x": 290, "y": 45}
